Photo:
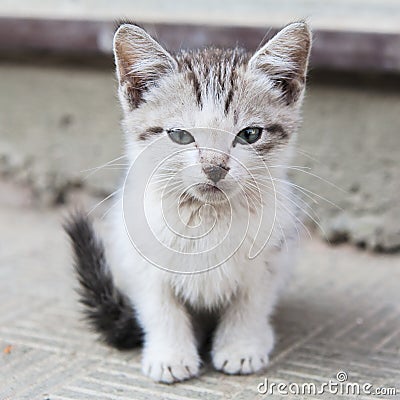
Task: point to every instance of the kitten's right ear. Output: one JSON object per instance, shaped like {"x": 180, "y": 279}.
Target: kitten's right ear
{"x": 140, "y": 61}
{"x": 284, "y": 60}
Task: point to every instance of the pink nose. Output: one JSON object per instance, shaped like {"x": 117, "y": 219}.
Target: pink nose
{"x": 216, "y": 172}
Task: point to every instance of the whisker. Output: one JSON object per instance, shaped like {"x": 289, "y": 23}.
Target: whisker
{"x": 102, "y": 201}
{"x": 265, "y": 180}
{"x": 317, "y": 223}
{"x": 322, "y": 179}
{"x": 172, "y": 188}
{"x": 289, "y": 167}
{"x": 280, "y": 204}
{"x": 291, "y": 200}
{"x": 162, "y": 179}
{"x": 306, "y": 154}
{"x": 315, "y": 218}
{"x": 107, "y": 164}
{"x": 305, "y": 191}
{"x": 108, "y": 211}
{"x": 285, "y": 208}
{"x": 263, "y": 168}
{"x": 251, "y": 189}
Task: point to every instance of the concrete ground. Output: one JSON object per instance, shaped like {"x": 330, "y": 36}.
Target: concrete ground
{"x": 340, "y": 313}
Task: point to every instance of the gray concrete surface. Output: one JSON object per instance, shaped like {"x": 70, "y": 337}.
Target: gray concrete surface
{"x": 56, "y": 122}
{"x": 340, "y": 313}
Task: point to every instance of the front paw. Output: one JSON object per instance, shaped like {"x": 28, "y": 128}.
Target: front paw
{"x": 170, "y": 366}
{"x": 243, "y": 356}
{"x": 244, "y": 359}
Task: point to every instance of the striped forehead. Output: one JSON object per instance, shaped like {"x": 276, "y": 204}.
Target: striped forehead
{"x": 213, "y": 74}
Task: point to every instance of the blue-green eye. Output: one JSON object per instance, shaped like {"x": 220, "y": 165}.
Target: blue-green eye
{"x": 248, "y": 135}
{"x": 180, "y": 136}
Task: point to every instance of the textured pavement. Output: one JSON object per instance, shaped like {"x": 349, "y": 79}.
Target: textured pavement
{"x": 341, "y": 312}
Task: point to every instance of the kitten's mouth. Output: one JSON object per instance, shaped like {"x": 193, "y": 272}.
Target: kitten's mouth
{"x": 207, "y": 188}
{"x": 209, "y": 193}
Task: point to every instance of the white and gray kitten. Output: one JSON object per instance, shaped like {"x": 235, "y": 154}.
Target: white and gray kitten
{"x": 205, "y": 219}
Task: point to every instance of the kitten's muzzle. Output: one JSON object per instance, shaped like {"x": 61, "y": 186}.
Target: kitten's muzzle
{"x": 216, "y": 172}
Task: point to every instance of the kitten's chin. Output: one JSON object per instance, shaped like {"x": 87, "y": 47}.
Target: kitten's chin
{"x": 208, "y": 194}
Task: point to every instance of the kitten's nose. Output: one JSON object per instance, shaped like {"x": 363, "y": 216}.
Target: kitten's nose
{"x": 216, "y": 172}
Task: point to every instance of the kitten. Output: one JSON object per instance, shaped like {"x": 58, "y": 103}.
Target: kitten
{"x": 204, "y": 223}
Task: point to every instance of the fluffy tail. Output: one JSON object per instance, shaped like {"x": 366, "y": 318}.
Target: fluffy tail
{"x": 108, "y": 310}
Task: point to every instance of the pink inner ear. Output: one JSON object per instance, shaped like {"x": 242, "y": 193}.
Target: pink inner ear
{"x": 285, "y": 59}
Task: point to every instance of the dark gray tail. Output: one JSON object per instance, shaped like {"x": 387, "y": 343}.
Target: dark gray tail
{"x": 108, "y": 310}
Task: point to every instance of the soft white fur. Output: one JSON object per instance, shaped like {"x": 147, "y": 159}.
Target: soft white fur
{"x": 242, "y": 289}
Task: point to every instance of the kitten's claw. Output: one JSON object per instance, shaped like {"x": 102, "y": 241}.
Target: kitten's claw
{"x": 170, "y": 369}
{"x": 240, "y": 360}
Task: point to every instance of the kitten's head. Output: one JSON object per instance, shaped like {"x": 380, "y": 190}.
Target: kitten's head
{"x": 212, "y": 120}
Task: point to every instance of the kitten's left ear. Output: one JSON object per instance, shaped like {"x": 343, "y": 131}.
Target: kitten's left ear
{"x": 140, "y": 62}
{"x": 284, "y": 59}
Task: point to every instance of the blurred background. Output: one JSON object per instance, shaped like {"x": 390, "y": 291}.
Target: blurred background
{"x": 59, "y": 115}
